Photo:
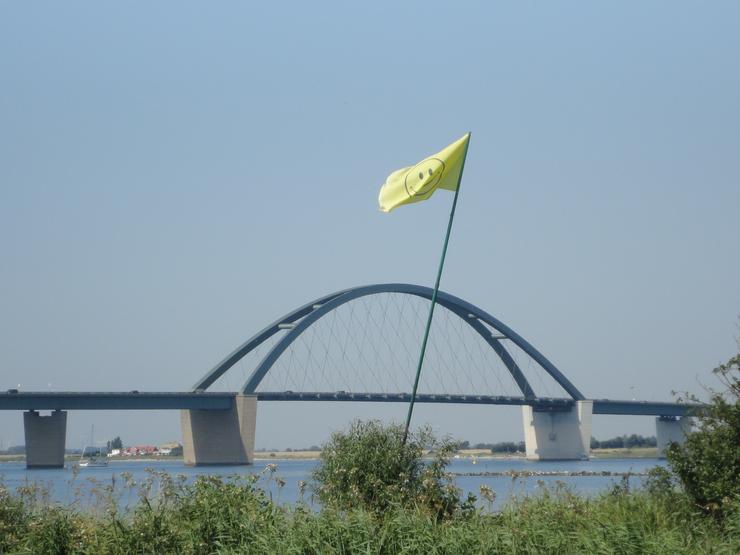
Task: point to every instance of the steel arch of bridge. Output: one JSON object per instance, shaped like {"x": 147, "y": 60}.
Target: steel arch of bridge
{"x": 303, "y": 317}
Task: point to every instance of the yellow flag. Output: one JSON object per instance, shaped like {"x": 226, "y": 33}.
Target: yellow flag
{"x": 418, "y": 182}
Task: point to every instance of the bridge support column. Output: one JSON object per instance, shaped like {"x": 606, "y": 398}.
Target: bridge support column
{"x": 45, "y": 439}
{"x": 558, "y": 435}
{"x": 671, "y": 429}
{"x": 215, "y": 437}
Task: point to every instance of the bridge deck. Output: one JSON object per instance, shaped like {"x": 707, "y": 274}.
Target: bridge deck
{"x": 601, "y": 406}
{"x": 206, "y": 400}
{"x": 114, "y": 400}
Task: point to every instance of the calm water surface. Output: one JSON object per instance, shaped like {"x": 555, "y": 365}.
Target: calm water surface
{"x": 71, "y": 486}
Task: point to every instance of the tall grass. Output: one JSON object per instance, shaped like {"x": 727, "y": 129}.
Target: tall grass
{"x": 215, "y": 515}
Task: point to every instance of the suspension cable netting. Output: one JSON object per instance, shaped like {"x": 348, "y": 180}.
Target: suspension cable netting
{"x": 371, "y": 345}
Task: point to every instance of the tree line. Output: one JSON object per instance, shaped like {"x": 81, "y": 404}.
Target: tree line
{"x": 624, "y": 441}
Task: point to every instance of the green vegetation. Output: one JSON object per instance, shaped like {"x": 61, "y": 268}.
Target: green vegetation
{"x": 501, "y": 447}
{"x": 632, "y": 441}
{"x": 114, "y": 443}
{"x": 370, "y": 467}
{"x": 236, "y": 516}
{"x": 708, "y": 463}
{"x": 624, "y": 442}
{"x": 508, "y": 447}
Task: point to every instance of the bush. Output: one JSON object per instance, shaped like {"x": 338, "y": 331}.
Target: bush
{"x": 14, "y": 517}
{"x": 369, "y": 467}
{"x": 708, "y": 463}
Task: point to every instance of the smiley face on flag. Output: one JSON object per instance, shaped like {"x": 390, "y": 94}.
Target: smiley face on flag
{"x": 418, "y": 182}
{"x": 423, "y": 178}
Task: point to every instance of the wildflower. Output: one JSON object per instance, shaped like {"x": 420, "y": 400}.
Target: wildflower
{"x": 487, "y": 493}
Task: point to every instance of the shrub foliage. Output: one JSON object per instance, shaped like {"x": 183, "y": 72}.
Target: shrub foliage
{"x": 370, "y": 467}
{"x": 708, "y": 463}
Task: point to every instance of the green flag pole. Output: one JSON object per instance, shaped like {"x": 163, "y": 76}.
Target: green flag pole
{"x": 434, "y": 297}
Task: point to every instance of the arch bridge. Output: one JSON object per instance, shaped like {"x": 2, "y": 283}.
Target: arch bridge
{"x": 361, "y": 345}
{"x": 556, "y": 426}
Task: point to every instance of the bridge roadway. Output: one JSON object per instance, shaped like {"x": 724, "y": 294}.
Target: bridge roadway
{"x": 207, "y": 400}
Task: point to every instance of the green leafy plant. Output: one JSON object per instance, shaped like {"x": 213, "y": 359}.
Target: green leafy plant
{"x": 14, "y": 517}
{"x": 370, "y": 467}
{"x": 708, "y": 463}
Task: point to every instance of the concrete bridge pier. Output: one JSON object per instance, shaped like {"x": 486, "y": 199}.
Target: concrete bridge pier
{"x": 558, "y": 435}
{"x": 671, "y": 429}
{"x": 220, "y": 437}
{"x": 45, "y": 439}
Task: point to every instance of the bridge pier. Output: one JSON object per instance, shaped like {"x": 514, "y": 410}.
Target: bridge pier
{"x": 220, "y": 437}
{"x": 45, "y": 439}
{"x": 558, "y": 435}
{"x": 671, "y": 429}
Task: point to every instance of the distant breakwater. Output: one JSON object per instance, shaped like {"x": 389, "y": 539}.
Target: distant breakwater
{"x": 546, "y": 473}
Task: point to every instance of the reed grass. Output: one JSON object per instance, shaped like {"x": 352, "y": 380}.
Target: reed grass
{"x": 235, "y": 515}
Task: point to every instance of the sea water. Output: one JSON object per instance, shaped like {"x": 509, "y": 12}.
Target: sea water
{"x": 289, "y": 480}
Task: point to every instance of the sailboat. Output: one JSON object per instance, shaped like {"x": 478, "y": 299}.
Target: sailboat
{"x": 92, "y": 457}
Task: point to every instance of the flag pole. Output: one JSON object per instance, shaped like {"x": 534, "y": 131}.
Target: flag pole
{"x": 434, "y": 296}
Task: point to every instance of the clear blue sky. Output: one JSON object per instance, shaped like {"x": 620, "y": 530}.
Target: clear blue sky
{"x": 174, "y": 175}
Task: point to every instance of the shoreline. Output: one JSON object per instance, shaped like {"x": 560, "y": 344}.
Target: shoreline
{"x": 465, "y": 454}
